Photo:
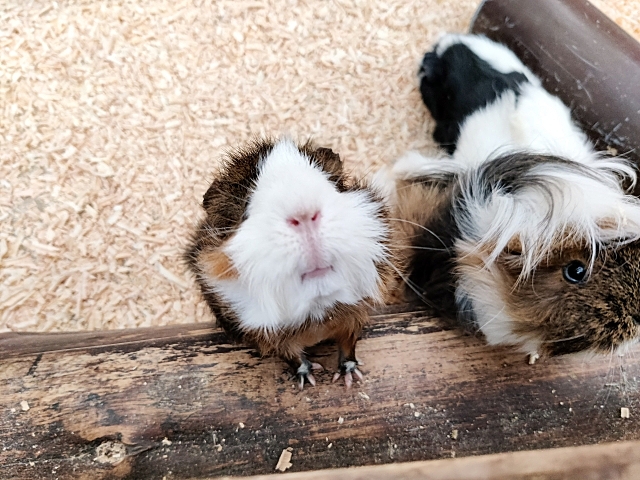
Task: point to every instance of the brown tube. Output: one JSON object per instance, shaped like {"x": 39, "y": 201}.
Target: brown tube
{"x": 582, "y": 56}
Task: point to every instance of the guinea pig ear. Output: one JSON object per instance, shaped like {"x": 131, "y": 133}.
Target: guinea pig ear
{"x": 328, "y": 160}
{"x": 210, "y": 194}
{"x": 217, "y": 264}
{"x": 224, "y": 206}
{"x": 514, "y": 247}
{"x": 511, "y": 257}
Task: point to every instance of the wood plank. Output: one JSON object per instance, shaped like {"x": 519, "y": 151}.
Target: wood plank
{"x": 188, "y": 385}
{"x": 609, "y": 461}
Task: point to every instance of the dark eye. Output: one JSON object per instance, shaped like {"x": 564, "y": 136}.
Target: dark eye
{"x": 574, "y": 271}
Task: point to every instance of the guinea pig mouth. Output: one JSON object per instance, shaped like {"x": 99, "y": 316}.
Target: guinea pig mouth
{"x": 316, "y": 273}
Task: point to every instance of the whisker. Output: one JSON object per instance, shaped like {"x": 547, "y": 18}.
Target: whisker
{"x": 565, "y": 339}
{"x": 491, "y": 320}
{"x": 423, "y": 228}
{"x": 415, "y": 247}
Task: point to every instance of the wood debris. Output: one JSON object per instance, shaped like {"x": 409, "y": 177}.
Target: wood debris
{"x": 284, "y": 462}
{"x": 24, "y": 405}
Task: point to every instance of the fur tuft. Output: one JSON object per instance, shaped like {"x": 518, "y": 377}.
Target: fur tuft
{"x": 543, "y": 202}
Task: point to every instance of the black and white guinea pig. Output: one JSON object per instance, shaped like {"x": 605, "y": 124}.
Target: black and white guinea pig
{"x": 524, "y": 228}
{"x": 291, "y": 252}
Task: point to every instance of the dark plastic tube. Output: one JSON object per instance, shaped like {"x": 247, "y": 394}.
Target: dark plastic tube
{"x": 582, "y": 56}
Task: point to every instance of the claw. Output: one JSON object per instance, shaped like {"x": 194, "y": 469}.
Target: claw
{"x": 311, "y": 380}
{"x": 304, "y": 373}
{"x": 349, "y": 370}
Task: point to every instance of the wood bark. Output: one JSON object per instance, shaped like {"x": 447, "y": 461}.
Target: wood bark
{"x": 181, "y": 402}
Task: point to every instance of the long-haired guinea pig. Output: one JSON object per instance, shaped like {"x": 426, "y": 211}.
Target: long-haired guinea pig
{"x": 523, "y": 228}
{"x": 291, "y": 252}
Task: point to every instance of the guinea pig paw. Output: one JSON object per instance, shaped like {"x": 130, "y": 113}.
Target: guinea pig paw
{"x": 533, "y": 356}
{"x": 304, "y": 373}
{"x": 349, "y": 369}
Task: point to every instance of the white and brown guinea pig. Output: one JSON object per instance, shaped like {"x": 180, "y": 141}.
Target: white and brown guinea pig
{"x": 526, "y": 230}
{"x": 291, "y": 252}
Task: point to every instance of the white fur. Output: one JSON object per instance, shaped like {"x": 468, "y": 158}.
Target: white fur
{"x": 535, "y": 121}
{"x": 575, "y": 206}
{"x": 383, "y": 182}
{"x": 498, "y": 56}
{"x": 414, "y": 165}
{"x": 271, "y": 256}
{"x": 481, "y": 288}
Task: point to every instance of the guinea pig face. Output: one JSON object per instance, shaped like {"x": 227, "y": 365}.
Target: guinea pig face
{"x": 564, "y": 306}
{"x": 303, "y": 245}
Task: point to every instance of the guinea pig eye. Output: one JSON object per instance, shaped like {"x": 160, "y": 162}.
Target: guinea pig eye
{"x": 574, "y": 271}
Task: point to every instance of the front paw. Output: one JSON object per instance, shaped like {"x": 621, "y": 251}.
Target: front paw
{"x": 303, "y": 373}
{"x": 430, "y": 68}
{"x": 349, "y": 369}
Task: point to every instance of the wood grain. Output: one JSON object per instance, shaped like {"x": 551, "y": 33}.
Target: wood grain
{"x": 188, "y": 385}
{"x": 609, "y": 461}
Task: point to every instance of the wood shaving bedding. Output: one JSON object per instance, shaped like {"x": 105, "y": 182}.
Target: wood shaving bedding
{"x": 115, "y": 114}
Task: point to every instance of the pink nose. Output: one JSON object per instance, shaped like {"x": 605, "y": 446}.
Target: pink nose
{"x": 304, "y": 219}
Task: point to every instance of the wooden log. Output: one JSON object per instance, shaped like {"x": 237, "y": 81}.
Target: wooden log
{"x": 610, "y": 461}
{"x": 181, "y": 402}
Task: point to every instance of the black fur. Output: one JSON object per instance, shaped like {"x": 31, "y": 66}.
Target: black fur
{"x": 511, "y": 173}
{"x": 455, "y": 85}
{"x": 431, "y": 266}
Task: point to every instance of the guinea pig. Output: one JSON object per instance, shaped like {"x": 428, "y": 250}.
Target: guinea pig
{"x": 523, "y": 228}
{"x": 291, "y": 252}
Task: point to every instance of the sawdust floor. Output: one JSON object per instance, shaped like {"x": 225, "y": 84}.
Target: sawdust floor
{"x": 114, "y": 114}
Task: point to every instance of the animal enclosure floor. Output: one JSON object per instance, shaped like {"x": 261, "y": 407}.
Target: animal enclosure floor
{"x": 115, "y": 115}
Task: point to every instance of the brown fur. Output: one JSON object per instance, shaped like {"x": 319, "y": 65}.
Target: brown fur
{"x": 343, "y": 324}
{"x": 217, "y": 264}
{"x": 600, "y": 314}
{"x": 225, "y": 203}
